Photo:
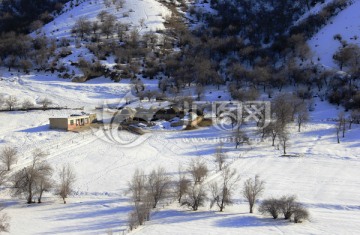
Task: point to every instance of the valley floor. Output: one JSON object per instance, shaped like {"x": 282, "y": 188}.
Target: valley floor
{"x": 325, "y": 178}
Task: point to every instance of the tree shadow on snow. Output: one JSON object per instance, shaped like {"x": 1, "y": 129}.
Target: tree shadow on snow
{"x": 175, "y": 216}
{"x": 249, "y": 221}
{"x": 92, "y": 217}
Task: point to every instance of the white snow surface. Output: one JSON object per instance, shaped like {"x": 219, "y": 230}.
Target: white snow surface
{"x": 325, "y": 178}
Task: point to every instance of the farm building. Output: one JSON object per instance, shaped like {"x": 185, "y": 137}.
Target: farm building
{"x": 73, "y": 122}
{"x": 168, "y": 113}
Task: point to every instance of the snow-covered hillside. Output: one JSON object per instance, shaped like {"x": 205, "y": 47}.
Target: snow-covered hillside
{"x": 151, "y": 11}
{"x": 347, "y": 24}
{"x": 323, "y": 174}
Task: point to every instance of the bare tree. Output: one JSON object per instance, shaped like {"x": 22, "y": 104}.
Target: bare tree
{"x": 273, "y": 130}
{"x": 140, "y": 213}
{"x": 142, "y": 199}
{"x": 253, "y": 188}
{"x": 108, "y": 25}
{"x": 44, "y": 183}
{"x": 198, "y": 170}
{"x": 82, "y": 27}
{"x": 158, "y": 185}
{"x": 222, "y": 194}
{"x": 45, "y": 102}
{"x": 137, "y": 186}
{"x": 8, "y": 156}
{"x": 26, "y": 180}
{"x": 340, "y": 126}
{"x": 270, "y": 206}
{"x": 199, "y": 91}
{"x": 195, "y": 197}
{"x": 101, "y": 16}
{"x": 219, "y": 157}
{"x": 67, "y": 180}
{"x": 240, "y": 137}
{"x": 284, "y": 141}
{"x": 182, "y": 185}
{"x": 302, "y": 115}
{"x": 283, "y": 109}
{"x": 354, "y": 117}
{"x": 27, "y": 104}
{"x": 4, "y": 219}
{"x": 10, "y": 102}
{"x": 3, "y": 176}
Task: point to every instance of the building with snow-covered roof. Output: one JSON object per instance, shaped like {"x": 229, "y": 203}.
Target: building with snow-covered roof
{"x": 73, "y": 122}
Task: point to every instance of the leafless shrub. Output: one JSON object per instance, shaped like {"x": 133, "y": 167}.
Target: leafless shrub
{"x": 198, "y": 170}
{"x": 287, "y": 205}
{"x": 270, "y": 206}
{"x": 301, "y": 214}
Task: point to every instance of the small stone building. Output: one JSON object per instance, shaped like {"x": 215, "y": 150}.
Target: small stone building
{"x": 73, "y": 122}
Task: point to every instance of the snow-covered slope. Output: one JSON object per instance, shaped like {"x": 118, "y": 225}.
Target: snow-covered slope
{"x": 151, "y": 11}
{"x": 325, "y": 178}
{"x": 347, "y": 24}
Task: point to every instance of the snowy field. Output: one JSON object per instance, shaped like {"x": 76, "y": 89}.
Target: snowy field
{"x": 347, "y": 24}
{"x": 325, "y": 178}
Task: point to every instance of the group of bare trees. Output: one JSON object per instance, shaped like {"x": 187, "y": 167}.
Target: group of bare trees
{"x": 287, "y": 206}
{"x": 286, "y": 108}
{"x": 344, "y": 122}
{"x": 11, "y": 103}
{"x": 191, "y": 190}
{"x": 32, "y": 181}
{"x": 146, "y": 192}
{"x": 4, "y": 218}
{"x": 35, "y": 179}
